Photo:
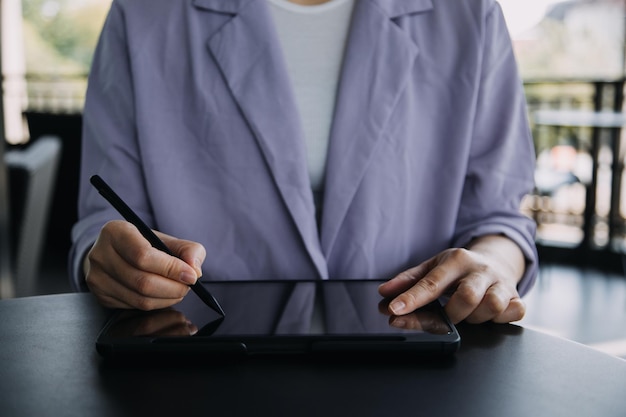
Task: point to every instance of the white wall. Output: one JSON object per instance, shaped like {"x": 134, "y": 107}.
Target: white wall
{"x": 13, "y": 69}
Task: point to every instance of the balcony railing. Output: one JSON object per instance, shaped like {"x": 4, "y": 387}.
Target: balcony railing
{"x": 579, "y": 201}
{"x": 56, "y": 93}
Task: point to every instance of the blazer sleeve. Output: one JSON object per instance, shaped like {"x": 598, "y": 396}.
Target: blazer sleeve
{"x": 109, "y": 146}
{"x": 502, "y": 158}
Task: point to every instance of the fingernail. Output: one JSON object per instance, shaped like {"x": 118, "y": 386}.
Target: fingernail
{"x": 188, "y": 278}
{"x": 396, "y": 307}
{"x": 197, "y": 263}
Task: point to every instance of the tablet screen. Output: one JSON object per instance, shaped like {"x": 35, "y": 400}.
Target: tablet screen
{"x": 279, "y": 316}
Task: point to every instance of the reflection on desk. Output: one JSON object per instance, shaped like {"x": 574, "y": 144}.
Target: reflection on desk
{"x": 50, "y": 367}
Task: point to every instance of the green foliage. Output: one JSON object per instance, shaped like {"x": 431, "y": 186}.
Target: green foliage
{"x": 43, "y": 59}
{"x": 68, "y": 28}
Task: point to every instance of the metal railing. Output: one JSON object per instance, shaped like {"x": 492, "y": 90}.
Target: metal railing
{"x": 579, "y": 201}
{"x": 56, "y": 93}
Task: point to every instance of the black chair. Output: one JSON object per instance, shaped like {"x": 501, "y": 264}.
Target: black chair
{"x": 31, "y": 175}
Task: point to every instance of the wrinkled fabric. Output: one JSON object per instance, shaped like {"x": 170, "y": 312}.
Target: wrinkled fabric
{"x": 189, "y": 116}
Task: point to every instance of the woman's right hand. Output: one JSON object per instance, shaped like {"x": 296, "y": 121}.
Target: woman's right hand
{"x": 123, "y": 270}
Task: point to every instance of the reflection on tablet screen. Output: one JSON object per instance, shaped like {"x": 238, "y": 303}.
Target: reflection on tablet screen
{"x": 331, "y": 308}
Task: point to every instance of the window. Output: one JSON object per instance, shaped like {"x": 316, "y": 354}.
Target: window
{"x": 47, "y": 51}
{"x": 59, "y": 38}
{"x": 576, "y": 39}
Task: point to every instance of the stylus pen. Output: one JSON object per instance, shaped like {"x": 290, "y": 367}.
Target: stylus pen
{"x": 130, "y": 216}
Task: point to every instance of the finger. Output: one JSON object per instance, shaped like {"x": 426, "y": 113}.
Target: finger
{"x": 110, "y": 302}
{"x": 192, "y": 253}
{"x": 467, "y": 297}
{"x": 123, "y": 275}
{"x": 405, "y": 280}
{"x": 116, "y": 280}
{"x": 139, "y": 303}
{"x": 134, "y": 301}
{"x": 494, "y": 303}
{"x": 148, "y": 293}
{"x": 425, "y": 290}
{"x": 120, "y": 243}
{"x": 139, "y": 254}
{"x": 116, "y": 295}
{"x": 515, "y": 311}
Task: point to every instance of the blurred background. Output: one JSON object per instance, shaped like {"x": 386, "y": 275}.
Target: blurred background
{"x": 571, "y": 55}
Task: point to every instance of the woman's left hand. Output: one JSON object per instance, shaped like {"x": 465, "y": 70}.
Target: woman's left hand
{"x": 480, "y": 279}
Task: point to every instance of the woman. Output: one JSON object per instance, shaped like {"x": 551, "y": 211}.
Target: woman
{"x": 279, "y": 139}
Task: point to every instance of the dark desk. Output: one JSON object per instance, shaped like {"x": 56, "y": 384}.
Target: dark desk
{"x": 49, "y": 367}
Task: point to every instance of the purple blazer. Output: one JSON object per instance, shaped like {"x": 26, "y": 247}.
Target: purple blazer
{"x": 190, "y": 117}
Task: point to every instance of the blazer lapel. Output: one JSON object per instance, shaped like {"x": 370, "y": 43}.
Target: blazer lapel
{"x": 379, "y": 59}
{"x": 249, "y": 54}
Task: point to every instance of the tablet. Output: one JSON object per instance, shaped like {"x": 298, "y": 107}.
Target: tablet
{"x": 280, "y": 317}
